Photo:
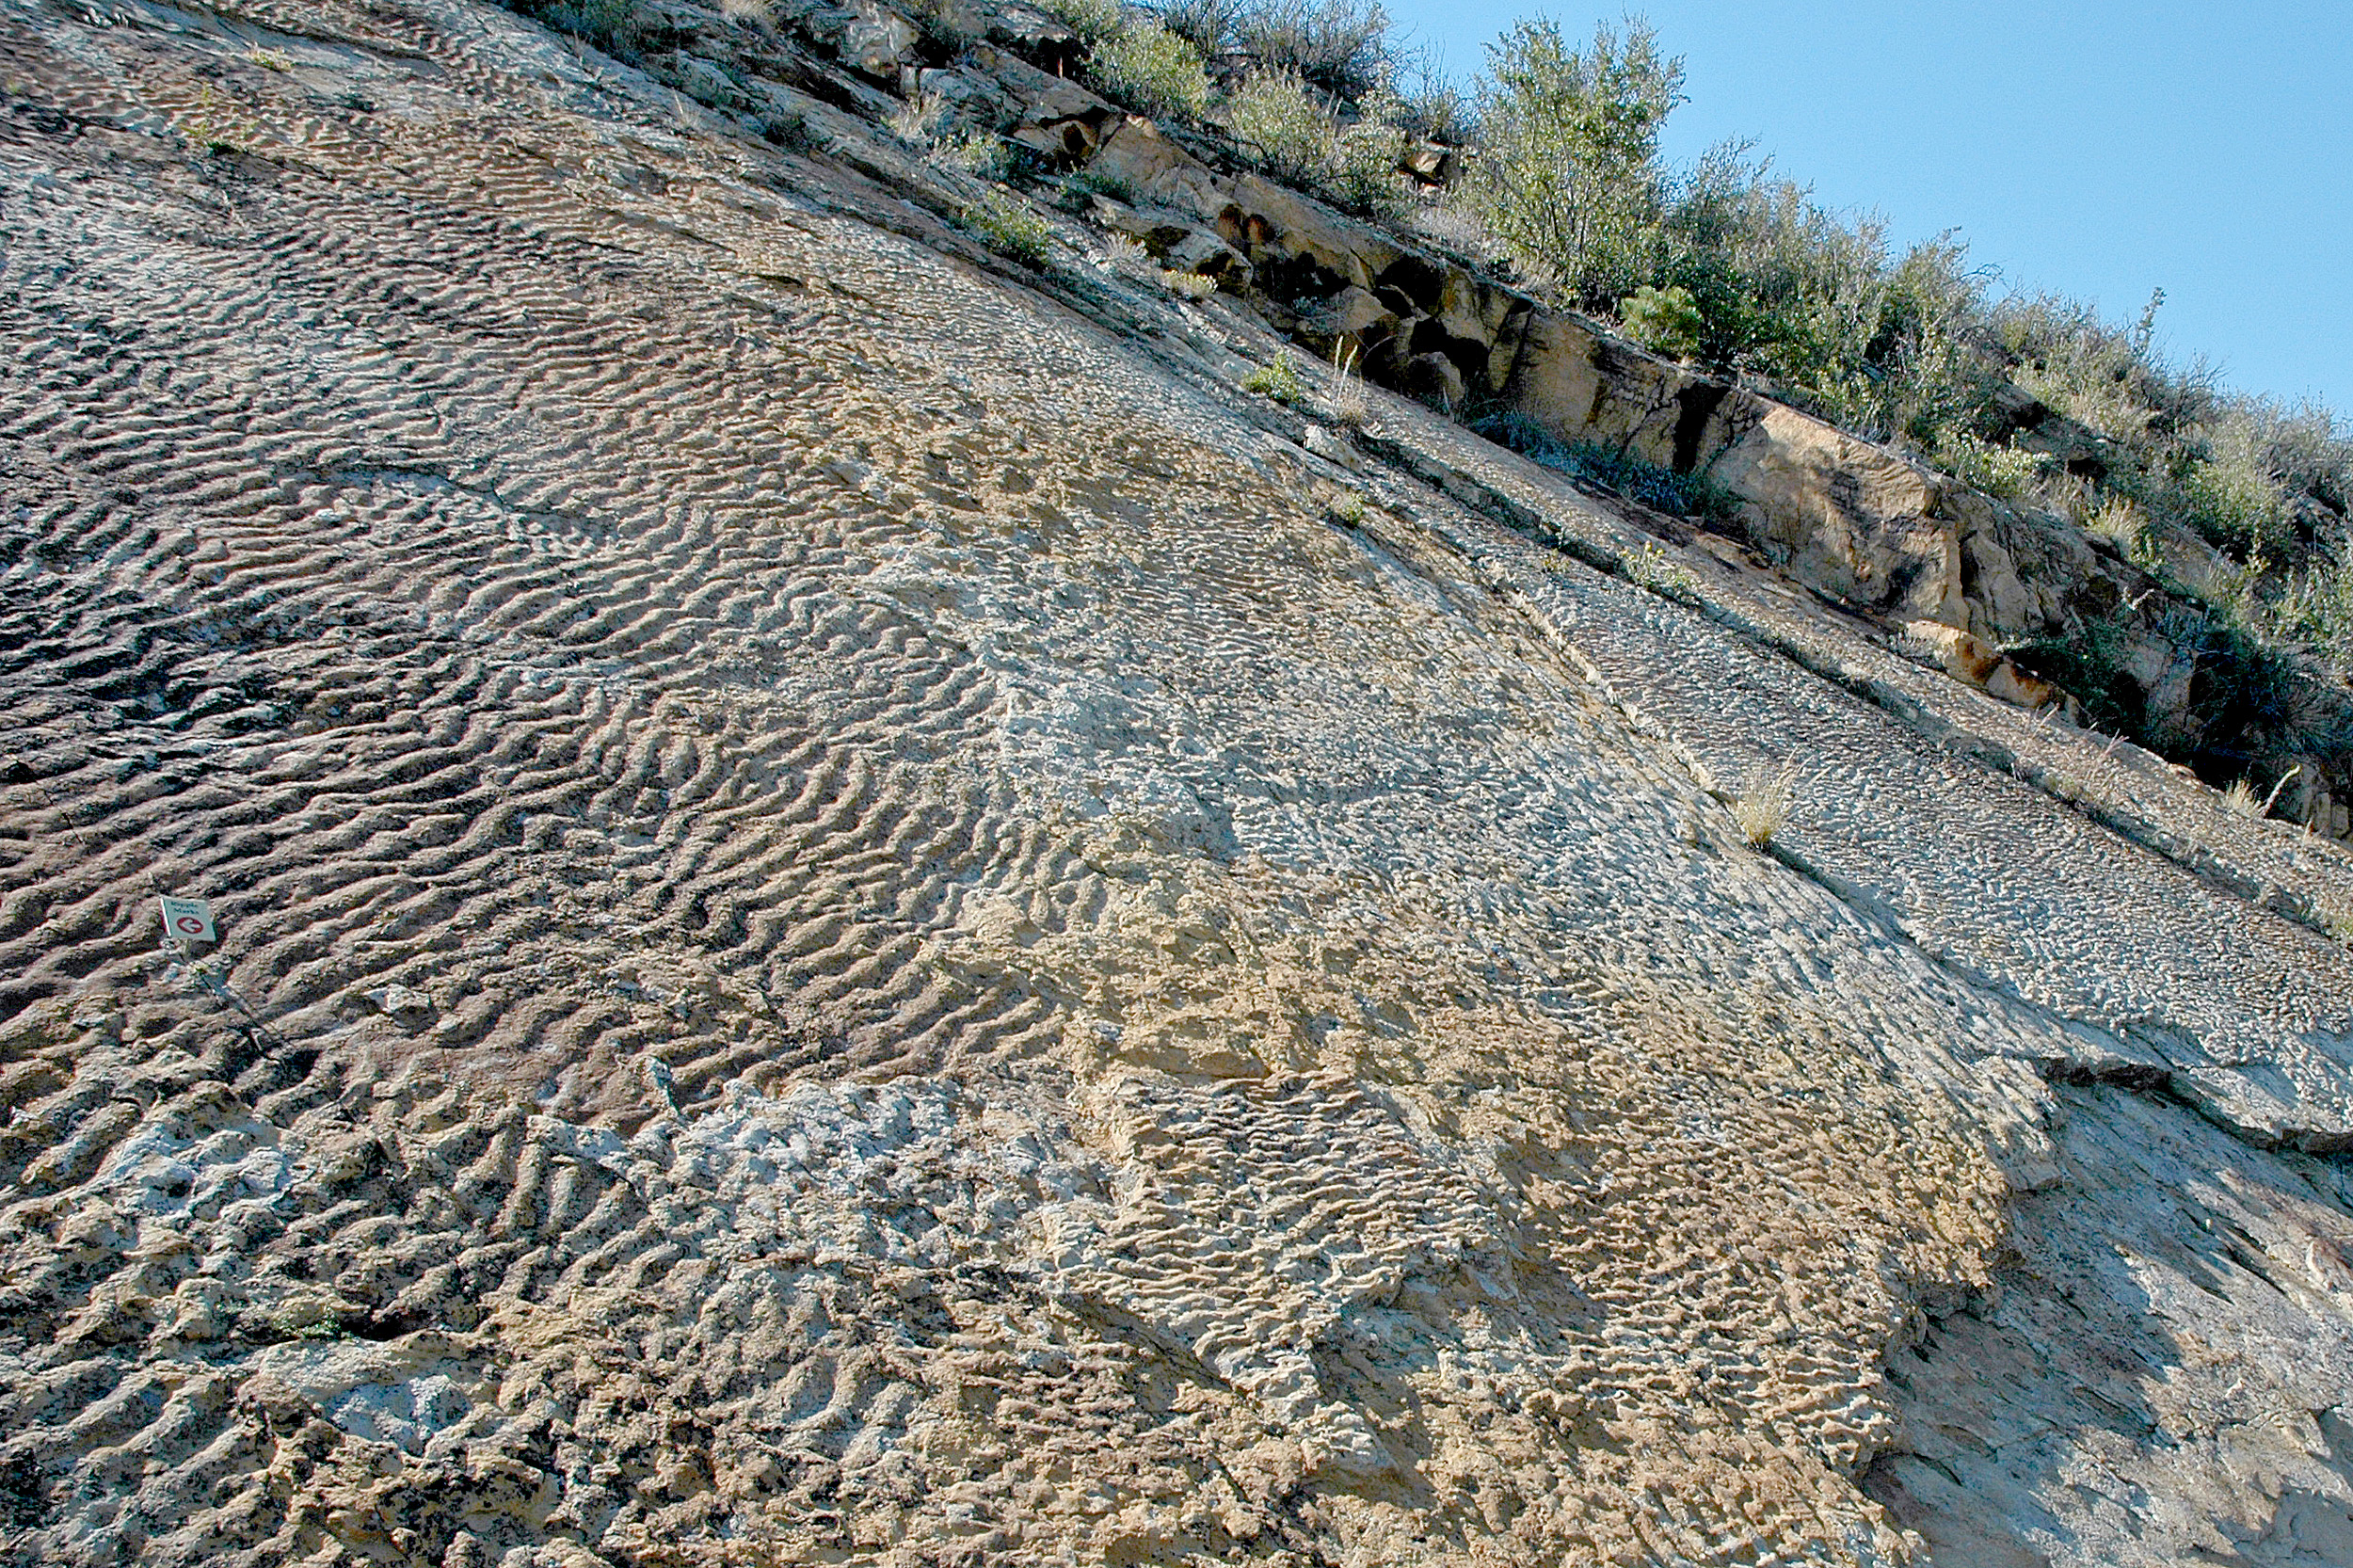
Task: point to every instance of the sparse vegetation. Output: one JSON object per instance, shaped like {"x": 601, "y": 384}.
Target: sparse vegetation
{"x": 1762, "y": 806}
{"x": 2121, "y": 521}
{"x": 794, "y": 133}
{"x": 978, "y": 153}
{"x": 1614, "y": 469}
{"x": 1651, "y": 568}
{"x": 1187, "y": 285}
{"x": 614, "y": 26}
{"x": 920, "y": 119}
{"x": 2242, "y": 799}
{"x": 1555, "y": 170}
{"x": 1344, "y": 389}
{"x": 1338, "y": 46}
{"x": 1279, "y": 380}
{"x": 1008, "y": 226}
{"x": 215, "y": 128}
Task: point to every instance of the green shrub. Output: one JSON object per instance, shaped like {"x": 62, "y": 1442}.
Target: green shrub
{"x": 1006, "y": 225}
{"x": 2231, "y": 496}
{"x": 1152, "y": 69}
{"x": 978, "y": 153}
{"x": 1295, "y": 136}
{"x": 1283, "y": 125}
{"x": 1998, "y": 470}
{"x": 1665, "y": 321}
{"x": 1654, "y": 569}
{"x": 1278, "y": 379}
{"x": 1569, "y": 178}
{"x": 2314, "y": 608}
{"x": 1092, "y": 20}
{"x": 1361, "y": 174}
{"x": 2088, "y": 660}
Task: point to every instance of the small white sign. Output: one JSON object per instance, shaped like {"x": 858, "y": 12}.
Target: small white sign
{"x": 191, "y": 919}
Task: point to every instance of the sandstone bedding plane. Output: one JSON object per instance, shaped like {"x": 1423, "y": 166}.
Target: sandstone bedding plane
{"x": 867, "y": 917}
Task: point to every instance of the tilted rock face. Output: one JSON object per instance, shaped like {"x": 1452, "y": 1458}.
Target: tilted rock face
{"x": 867, "y": 918}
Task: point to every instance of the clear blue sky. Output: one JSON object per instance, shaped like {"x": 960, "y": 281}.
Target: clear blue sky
{"x": 2098, "y": 149}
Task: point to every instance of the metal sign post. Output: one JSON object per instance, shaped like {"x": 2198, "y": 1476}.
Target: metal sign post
{"x": 190, "y": 919}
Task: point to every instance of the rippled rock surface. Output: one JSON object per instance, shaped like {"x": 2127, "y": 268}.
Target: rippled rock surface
{"x": 867, "y": 917}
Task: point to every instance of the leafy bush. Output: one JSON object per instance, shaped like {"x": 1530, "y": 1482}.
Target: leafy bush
{"x": 1092, "y": 20}
{"x": 2313, "y": 610}
{"x": 1360, "y": 174}
{"x": 1665, "y": 321}
{"x": 1999, "y": 471}
{"x": 1283, "y": 125}
{"x": 1569, "y": 178}
{"x": 1154, "y": 69}
{"x": 1006, "y": 225}
{"x": 2232, "y": 497}
{"x": 1295, "y": 136}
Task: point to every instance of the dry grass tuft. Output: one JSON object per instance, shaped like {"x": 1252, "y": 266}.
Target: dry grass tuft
{"x": 1345, "y": 394}
{"x": 2241, "y": 800}
{"x": 2336, "y": 915}
{"x": 1763, "y": 805}
{"x": 919, "y": 120}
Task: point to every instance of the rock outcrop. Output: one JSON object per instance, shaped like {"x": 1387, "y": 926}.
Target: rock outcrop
{"x": 868, "y": 917}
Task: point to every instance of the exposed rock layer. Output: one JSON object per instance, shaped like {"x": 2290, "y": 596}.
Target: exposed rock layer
{"x": 867, "y": 918}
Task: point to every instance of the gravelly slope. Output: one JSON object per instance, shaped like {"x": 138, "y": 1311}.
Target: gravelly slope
{"x": 857, "y": 927}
